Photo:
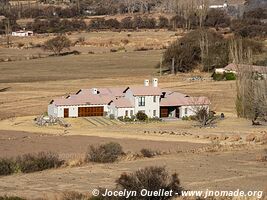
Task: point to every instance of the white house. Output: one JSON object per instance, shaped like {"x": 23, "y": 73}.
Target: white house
{"x": 233, "y": 68}
{"x": 127, "y": 101}
{"x": 22, "y": 33}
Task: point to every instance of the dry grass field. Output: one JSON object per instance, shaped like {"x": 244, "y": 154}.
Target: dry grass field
{"x": 33, "y": 83}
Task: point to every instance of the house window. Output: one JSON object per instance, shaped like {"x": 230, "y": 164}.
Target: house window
{"x": 126, "y": 113}
{"x": 141, "y": 101}
{"x": 154, "y": 113}
{"x": 155, "y": 99}
{"x": 185, "y": 111}
{"x": 131, "y": 112}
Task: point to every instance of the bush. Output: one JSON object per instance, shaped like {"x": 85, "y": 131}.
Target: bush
{"x": 224, "y": 76}
{"x": 38, "y": 162}
{"x": 71, "y": 195}
{"x": 147, "y": 153}
{"x": 112, "y": 23}
{"x": 142, "y": 49}
{"x": 127, "y": 119}
{"x": 230, "y": 76}
{"x": 185, "y": 118}
{"x": 7, "y": 166}
{"x": 112, "y": 116}
{"x": 105, "y": 153}
{"x": 11, "y": 198}
{"x": 120, "y": 118}
{"x": 151, "y": 179}
{"x": 249, "y": 27}
{"x": 217, "y": 18}
{"x": 218, "y": 77}
{"x": 178, "y": 21}
{"x": 163, "y": 22}
{"x": 127, "y": 23}
{"x": 141, "y": 116}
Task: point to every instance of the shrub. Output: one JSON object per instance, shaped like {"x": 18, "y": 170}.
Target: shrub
{"x": 218, "y": 77}
{"x": 97, "y": 23}
{"x": 127, "y": 119}
{"x": 113, "y": 50}
{"x": 142, "y": 49}
{"x": 105, "y": 153}
{"x": 11, "y": 198}
{"x": 120, "y": 118}
{"x": 163, "y": 22}
{"x": 177, "y": 21}
{"x": 71, "y": 195}
{"x": 151, "y": 179}
{"x": 81, "y": 40}
{"x": 38, "y": 162}
{"x": 7, "y": 166}
{"x": 112, "y": 116}
{"x": 186, "y": 118}
{"x": 230, "y": 76}
{"x": 147, "y": 153}
{"x": 127, "y": 23}
{"x": 217, "y": 18}
{"x": 225, "y": 76}
{"x": 20, "y": 45}
{"x": 141, "y": 116}
{"x": 112, "y": 23}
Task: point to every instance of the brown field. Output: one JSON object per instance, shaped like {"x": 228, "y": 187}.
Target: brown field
{"x": 33, "y": 83}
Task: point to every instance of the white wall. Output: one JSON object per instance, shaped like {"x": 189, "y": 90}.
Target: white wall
{"x": 52, "y": 110}
{"x": 150, "y": 105}
{"x": 191, "y": 110}
{"x": 73, "y": 110}
{"x": 120, "y": 112}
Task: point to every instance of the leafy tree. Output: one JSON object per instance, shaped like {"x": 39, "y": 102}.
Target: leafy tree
{"x": 57, "y": 44}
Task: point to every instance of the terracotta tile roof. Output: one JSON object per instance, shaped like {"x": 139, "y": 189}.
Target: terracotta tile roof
{"x": 178, "y": 99}
{"x": 122, "y": 103}
{"x": 234, "y": 67}
{"x": 145, "y": 91}
{"x": 83, "y": 99}
{"x": 116, "y": 91}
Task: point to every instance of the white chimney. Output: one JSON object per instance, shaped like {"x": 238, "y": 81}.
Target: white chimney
{"x": 155, "y": 82}
{"x": 146, "y": 82}
{"x": 94, "y": 90}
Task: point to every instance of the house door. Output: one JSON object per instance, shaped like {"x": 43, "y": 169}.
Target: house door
{"x": 164, "y": 112}
{"x": 177, "y": 112}
{"x": 90, "y": 111}
{"x": 66, "y": 112}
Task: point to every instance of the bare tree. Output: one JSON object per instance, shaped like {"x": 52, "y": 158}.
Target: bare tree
{"x": 8, "y": 31}
{"x": 202, "y": 11}
{"x": 200, "y": 108}
{"x": 251, "y": 87}
{"x": 251, "y": 99}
